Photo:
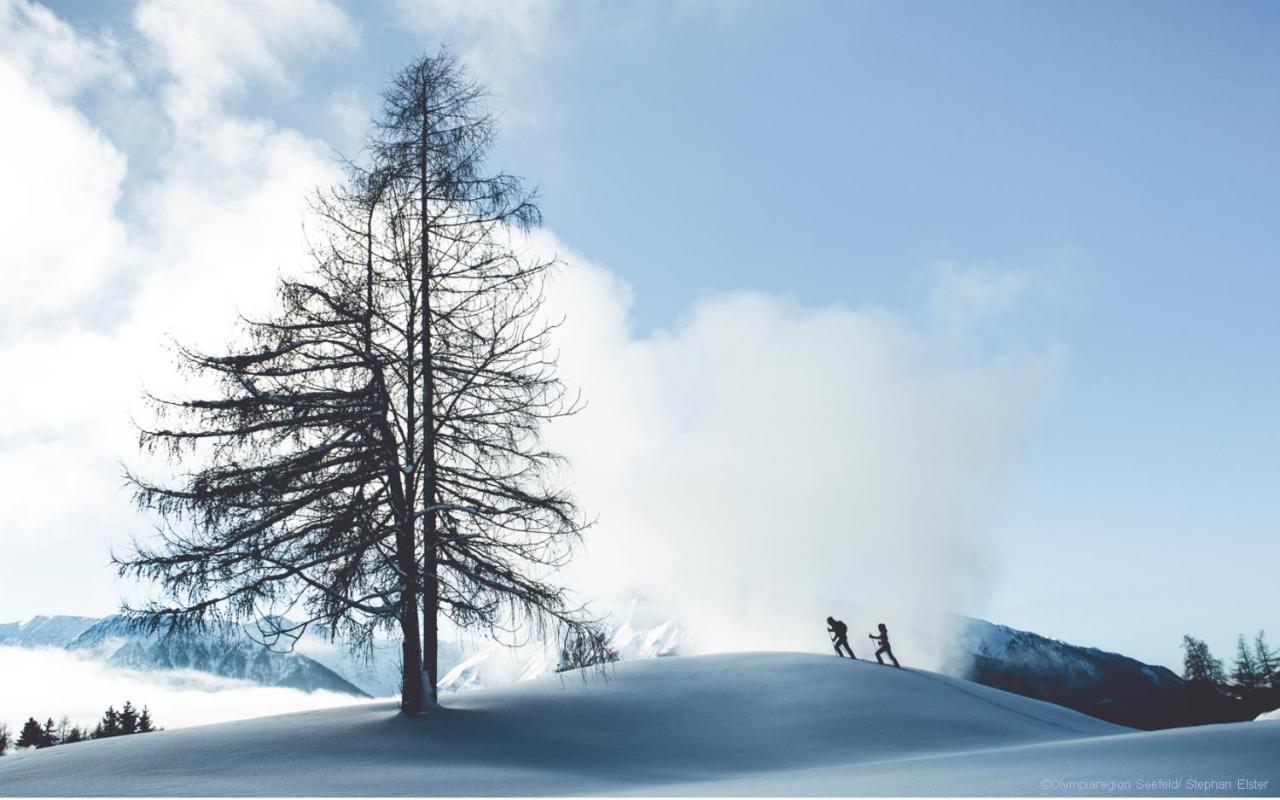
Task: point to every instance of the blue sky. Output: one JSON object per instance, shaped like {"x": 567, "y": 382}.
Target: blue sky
{"x": 1122, "y": 156}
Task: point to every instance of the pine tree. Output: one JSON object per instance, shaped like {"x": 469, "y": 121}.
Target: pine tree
{"x": 110, "y": 724}
{"x": 32, "y": 735}
{"x": 1245, "y": 675}
{"x": 1267, "y": 661}
{"x": 1198, "y": 664}
{"x": 145, "y": 725}
{"x": 76, "y": 734}
{"x": 4, "y": 738}
{"x": 128, "y": 719}
{"x": 49, "y": 734}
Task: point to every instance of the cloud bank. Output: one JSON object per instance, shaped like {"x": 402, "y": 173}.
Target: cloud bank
{"x": 762, "y": 464}
{"x": 45, "y": 683}
{"x": 94, "y": 289}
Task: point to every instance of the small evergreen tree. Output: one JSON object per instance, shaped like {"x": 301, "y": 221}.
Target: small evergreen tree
{"x": 4, "y": 738}
{"x": 1198, "y": 664}
{"x": 110, "y": 725}
{"x": 128, "y": 718}
{"x": 1245, "y": 675}
{"x": 145, "y": 725}
{"x": 32, "y": 734}
{"x": 1267, "y": 661}
{"x": 76, "y": 734}
{"x": 49, "y": 734}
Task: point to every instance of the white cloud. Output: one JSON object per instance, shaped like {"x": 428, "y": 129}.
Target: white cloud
{"x": 350, "y": 119}
{"x": 763, "y": 464}
{"x": 48, "y": 682}
{"x": 215, "y": 48}
{"x": 59, "y": 61}
{"x": 962, "y": 295}
{"x": 62, "y": 182}
{"x": 66, "y": 253}
{"x": 222, "y": 218}
{"x": 500, "y": 42}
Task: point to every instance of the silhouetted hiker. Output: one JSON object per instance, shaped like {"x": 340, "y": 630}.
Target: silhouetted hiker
{"x": 883, "y": 639}
{"x": 840, "y": 635}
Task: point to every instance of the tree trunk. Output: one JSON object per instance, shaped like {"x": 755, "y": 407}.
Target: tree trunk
{"x": 413, "y": 694}
{"x": 430, "y": 586}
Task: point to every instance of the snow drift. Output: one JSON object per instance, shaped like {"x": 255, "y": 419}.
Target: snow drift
{"x": 758, "y": 723}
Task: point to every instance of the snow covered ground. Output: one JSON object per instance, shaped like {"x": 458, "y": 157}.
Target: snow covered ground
{"x": 753, "y": 723}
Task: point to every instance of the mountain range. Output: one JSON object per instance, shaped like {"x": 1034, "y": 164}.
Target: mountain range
{"x": 119, "y": 642}
{"x": 1105, "y": 685}
{"x": 315, "y": 662}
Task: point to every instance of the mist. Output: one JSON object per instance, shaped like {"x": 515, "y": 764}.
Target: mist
{"x": 762, "y": 464}
{"x": 50, "y": 682}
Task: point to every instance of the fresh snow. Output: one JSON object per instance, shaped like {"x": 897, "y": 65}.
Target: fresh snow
{"x": 464, "y": 676}
{"x": 497, "y": 665}
{"x": 750, "y": 723}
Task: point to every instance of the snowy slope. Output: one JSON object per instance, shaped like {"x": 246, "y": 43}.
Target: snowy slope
{"x": 759, "y": 723}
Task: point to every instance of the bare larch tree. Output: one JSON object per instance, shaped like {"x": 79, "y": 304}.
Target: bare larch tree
{"x": 371, "y": 458}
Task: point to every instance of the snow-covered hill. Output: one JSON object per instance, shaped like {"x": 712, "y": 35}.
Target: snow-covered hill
{"x": 1106, "y": 685}
{"x": 757, "y": 723}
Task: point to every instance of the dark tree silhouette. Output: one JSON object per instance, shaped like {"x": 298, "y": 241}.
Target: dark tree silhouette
{"x": 1245, "y": 677}
{"x": 1199, "y": 665}
{"x": 128, "y": 718}
{"x": 109, "y": 725}
{"x": 371, "y": 458}
{"x": 1268, "y": 663}
{"x": 491, "y": 522}
{"x": 584, "y": 648}
{"x": 31, "y": 735}
{"x": 49, "y": 734}
{"x": 4, "y": 738}
{"x": 145, "y": 725}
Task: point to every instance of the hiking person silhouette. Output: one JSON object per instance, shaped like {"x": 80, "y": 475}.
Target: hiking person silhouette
{"x": 883, "y": 639}
{"x": 840, "y": 635}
